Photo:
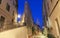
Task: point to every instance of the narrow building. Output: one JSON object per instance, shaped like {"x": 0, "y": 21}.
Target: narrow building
{"x": 26, "y": 19}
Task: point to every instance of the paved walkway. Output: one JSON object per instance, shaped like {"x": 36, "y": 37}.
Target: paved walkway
{"x": 15, "y": 33}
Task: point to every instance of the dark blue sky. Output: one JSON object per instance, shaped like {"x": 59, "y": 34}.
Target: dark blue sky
{"x": 36, "y": 9}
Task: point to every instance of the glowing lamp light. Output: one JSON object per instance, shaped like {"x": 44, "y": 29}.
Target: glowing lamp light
{"x": 19, "y": 16}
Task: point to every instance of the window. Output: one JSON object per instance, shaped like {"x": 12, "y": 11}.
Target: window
{"x": 51, "y": 0}
{"x": 2, "y": 19}
{"x": 24, "y": 24}
{"x": 13, "y": 13}
{"x": 8, "y": 7}
{"x": 12, "y": 20}
{"x": 0, "y": 1}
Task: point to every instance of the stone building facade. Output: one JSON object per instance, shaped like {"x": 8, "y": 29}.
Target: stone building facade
{"x": 8, "y": 13}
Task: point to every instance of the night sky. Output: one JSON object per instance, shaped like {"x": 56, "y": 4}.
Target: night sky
{"x": 36, "y": 9}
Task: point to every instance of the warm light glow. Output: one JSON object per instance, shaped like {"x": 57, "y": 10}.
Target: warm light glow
{"x": 19, "y": 16}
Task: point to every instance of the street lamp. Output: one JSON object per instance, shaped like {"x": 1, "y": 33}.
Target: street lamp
{"x": 19, "y": 16}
